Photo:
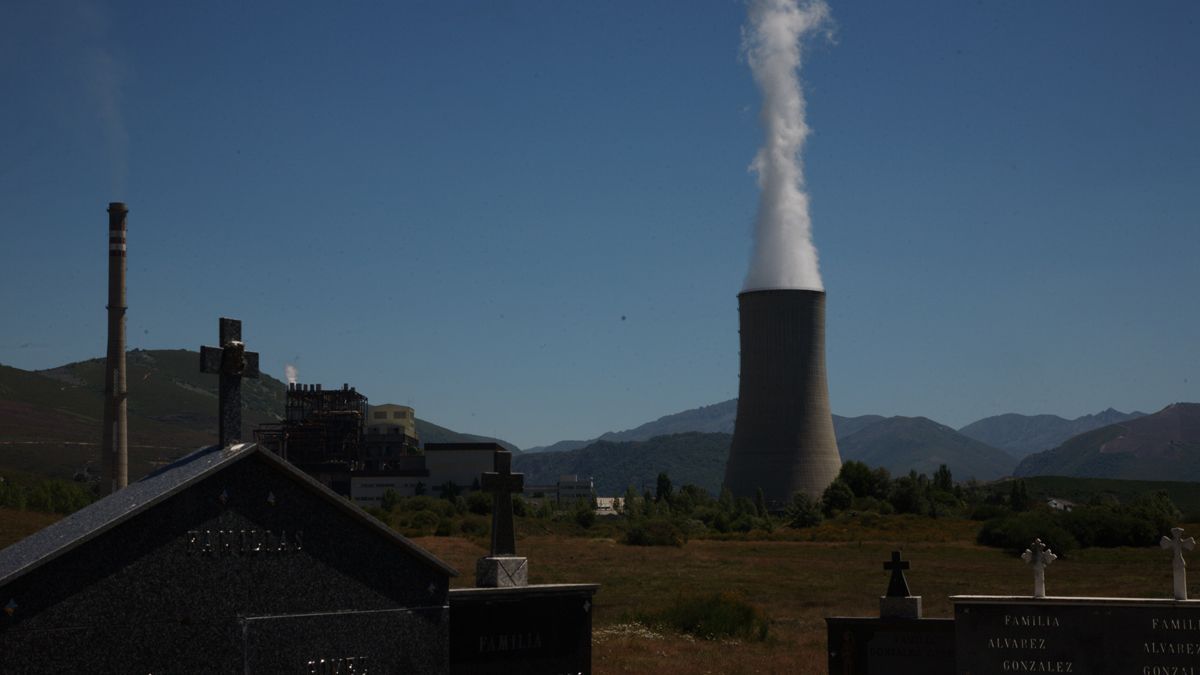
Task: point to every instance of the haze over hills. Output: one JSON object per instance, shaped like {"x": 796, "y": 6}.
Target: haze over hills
{"x": 1161, "y": 446}
{"x": 1021, "y": 435}
{"x": 50, "y": 419}
{"x": 899, "y": 444}
{"x": 715, "y": 418}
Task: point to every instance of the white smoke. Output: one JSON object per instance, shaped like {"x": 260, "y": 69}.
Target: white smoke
{"x": 292, "y": 373}
{"x": 784, "y": 255}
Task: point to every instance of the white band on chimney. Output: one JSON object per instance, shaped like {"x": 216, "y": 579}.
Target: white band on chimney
{"x": 116, "y": 233}
{"x": 116, "y": 247}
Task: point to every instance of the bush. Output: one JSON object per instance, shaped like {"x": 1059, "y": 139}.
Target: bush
{"x": 803, "y": 511}
{"x": 654, "y": 532}
{"x": 585, "y": 515}
{"x": 479, "y": 503}
{"x": 520, "y": 506}
{"x": 989, "y": 511}
{"x": 838, "y": 497}
{"x": 713, "y": 617}
{"x": 1017, "y": 531}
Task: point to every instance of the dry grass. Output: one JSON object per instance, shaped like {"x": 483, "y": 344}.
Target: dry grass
{"x": 797, "y": 584}
{"x": 16, "y": 525}
{"x": 797, "y": 581}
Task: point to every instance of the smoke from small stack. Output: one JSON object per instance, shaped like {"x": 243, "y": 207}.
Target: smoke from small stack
{"x": 115, "y": 446}
{"x": 292, "y": 373}
{"x": 783, "y": 255}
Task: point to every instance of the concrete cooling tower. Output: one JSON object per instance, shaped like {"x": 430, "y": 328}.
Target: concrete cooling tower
{"x": 783, "y": 440}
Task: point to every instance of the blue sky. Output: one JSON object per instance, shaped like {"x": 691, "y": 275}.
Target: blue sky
{"x": 532, "y": 219}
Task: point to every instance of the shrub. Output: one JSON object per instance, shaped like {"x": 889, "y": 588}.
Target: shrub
{"x": 585, "y": 515}
{"x": 654, "y": 532}
{"x": 838, "y": 497}
{"x": 479, "y": 503}
{"x": 712, "y": 617}
{"x": 520, "y": 506}
{"x": 1015, "y": 532}
{"x": 803, "y": 511}
{"x": 474, "y": 525}
{"x": 989, "y": 511}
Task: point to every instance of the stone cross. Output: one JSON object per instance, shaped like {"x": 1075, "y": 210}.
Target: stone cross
{"x": 232, "y": 362}
{"x": 502, "y": 483}
{"x": 898, "y": 585}
{"x": 1038, "y": 556}
{"x": 1178, "y": 544}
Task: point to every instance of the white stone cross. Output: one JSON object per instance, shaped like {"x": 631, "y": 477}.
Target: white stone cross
{"x": 1178, "y": 544}
{"x": 1038, "y": 556}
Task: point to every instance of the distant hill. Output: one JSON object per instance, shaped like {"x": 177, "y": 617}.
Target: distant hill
{"x": 692, "y": 457}
{"x": 897, "y": 443}
{"x": 432, "y": 433}
{"x": 50, "y": 419}
{"x": 901, "y": 444}
{"x": 1162, "y": 446}
{"x": 715, "y": 418}
{"x": 1021, "y": 435}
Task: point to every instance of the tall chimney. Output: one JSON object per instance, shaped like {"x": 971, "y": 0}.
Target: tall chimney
{"x": 783, "y": 440}
{"x": 116, "y": 439}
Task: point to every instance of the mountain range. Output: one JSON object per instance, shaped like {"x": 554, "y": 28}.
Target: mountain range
{"x": 1162, "y": 446}
{"x": 49, "y": 424}
{"x": 50, "y": 419}
{"x": 899, "y": 444}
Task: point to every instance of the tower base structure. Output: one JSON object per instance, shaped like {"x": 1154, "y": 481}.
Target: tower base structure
{"x": 783, "y": 439}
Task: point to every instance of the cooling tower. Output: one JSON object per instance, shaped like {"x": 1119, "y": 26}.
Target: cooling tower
{"x": 783, "y": 439}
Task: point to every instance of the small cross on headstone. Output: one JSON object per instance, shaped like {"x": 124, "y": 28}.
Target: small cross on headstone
{"x": 1178, "y": 544}
{"x": 1038, "y": 557}
{"x": 232, "y": 362}
{"x": 898, "y": 585}
{"x": 502, "y": 483}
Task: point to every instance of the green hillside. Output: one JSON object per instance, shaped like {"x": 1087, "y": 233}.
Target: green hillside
{"x": 901, "y": 444}
{"x": 1184, "y": 495}
{"x": 1162, "y": 446}
{"x": 1021, "y": 435}
{"x": 692, "y": 457}
{"x": 50, "y": 419}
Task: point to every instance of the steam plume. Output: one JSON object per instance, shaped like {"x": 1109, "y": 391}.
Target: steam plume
{"x": 292, "y": 373}
{"x": 784, "y": 256}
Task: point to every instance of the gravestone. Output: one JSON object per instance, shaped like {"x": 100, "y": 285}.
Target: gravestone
{"x": 231, "y": 362}
{"x": 899, "y": 642}
{"x": 506, "y": 625}
{"x": 228, "y": 560}
{"x": 1047, "y": 634}
{"x": 502, "y": 567}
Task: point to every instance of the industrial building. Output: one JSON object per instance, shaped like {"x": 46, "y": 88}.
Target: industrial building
{"x": 362, "y": 451}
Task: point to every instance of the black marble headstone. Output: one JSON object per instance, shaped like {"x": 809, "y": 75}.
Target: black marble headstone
{"x": 527, "y": 629}
{"x": 868, "y": 646}
{"x": 1076, "y": 635}
{"x": 229, "y": 560}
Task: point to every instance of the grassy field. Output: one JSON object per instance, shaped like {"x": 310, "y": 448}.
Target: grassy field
{"x": 797, "y": 584}
{"x": 797, "y": 581}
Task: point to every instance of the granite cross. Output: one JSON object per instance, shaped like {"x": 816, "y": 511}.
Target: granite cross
{"x": 232, "y": 362}
{"x": 502, "y": 483}
{"x": 1179, "y": 544}
{"x": 898, "y": 586}
{"x": 1038, "y": 556}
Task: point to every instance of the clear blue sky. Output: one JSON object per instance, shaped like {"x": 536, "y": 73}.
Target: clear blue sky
{"x": 532, "y": 219}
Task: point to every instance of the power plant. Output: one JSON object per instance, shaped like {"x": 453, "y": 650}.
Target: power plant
{"x": 783, "y": 439}
{"x": 115, "y": 446}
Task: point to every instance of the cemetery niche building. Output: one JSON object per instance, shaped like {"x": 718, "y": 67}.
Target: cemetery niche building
{"x": 228, "y": 560}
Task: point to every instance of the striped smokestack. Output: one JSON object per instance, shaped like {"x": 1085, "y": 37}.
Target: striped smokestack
{"x": 116, "y": 440}
{"x": 783, "y": 440}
